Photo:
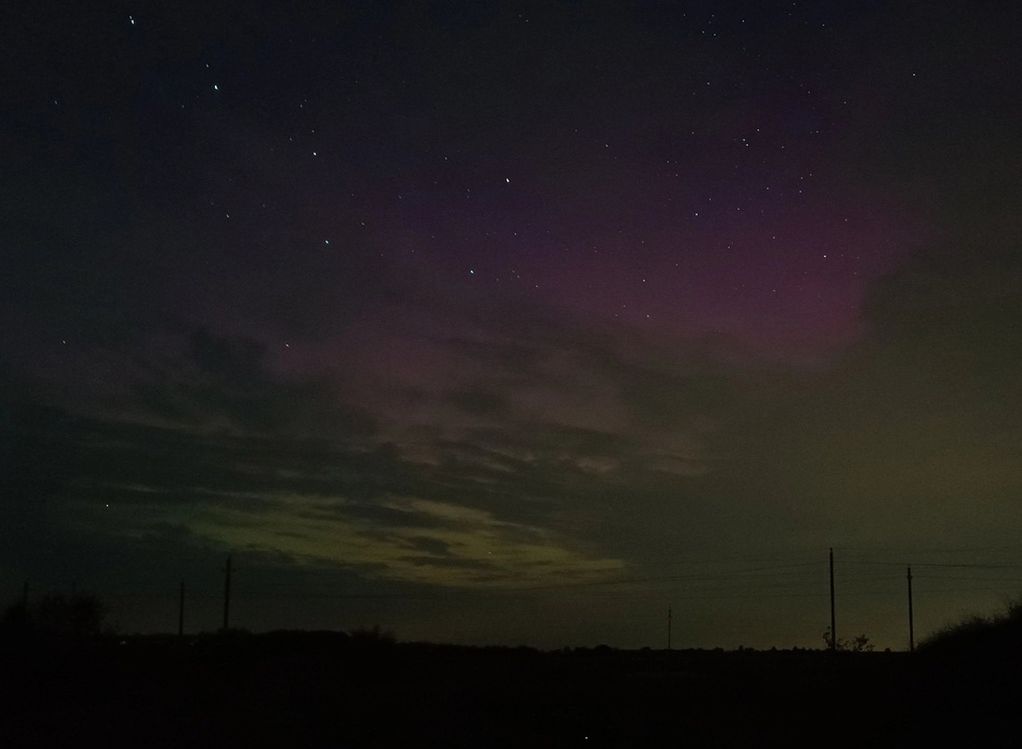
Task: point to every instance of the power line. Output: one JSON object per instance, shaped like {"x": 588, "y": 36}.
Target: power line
{"x": 961, "y": 565}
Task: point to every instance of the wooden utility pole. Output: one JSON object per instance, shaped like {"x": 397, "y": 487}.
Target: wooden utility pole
{"x": 668, "y": 627}
{"x": 911, "y": 623}
{"x": 227, "y": 592}
{"x": 181, "y": 610}
{"x": 833, "y": 620}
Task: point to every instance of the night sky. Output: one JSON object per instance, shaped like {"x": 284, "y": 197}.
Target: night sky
{"x": 514, "y": 323}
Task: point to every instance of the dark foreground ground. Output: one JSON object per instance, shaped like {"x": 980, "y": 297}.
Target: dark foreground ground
{"x": 326, "y": 690}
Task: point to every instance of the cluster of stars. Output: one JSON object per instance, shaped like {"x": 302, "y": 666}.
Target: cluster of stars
{"x": 683, "y": 165}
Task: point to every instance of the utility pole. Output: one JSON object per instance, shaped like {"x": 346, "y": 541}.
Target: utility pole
{"x": 668, "y": 627}
{"x": 181, "y": 610}
{"x": 833, "y": 621}
{"x": 911, "y": 623}
{"x": 227, "y": 592}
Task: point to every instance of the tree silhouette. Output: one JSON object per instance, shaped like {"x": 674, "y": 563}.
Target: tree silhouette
{"x": 78, "y": 615}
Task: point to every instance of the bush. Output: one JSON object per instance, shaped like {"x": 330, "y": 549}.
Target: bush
{"x": 1001, "y": 632}
{"x": 858, "y": 644}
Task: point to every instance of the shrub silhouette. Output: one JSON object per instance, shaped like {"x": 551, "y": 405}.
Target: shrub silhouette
{"x": 858, "y": 644}
{"x": 999, "y": 633}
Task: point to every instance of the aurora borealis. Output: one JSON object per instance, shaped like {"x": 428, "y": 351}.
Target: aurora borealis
{"x": 514, "y": 322}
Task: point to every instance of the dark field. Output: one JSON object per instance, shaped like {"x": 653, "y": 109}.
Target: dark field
{"x": 328, "y": 690}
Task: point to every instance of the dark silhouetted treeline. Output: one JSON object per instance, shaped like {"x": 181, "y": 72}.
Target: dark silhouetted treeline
{"x": 56, "y": 615}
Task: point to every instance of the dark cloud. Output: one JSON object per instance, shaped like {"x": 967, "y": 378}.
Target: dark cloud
{"x": 479, "y": 402}
{"x": 432, "y": 546}
{"x": 434, "y": 561}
